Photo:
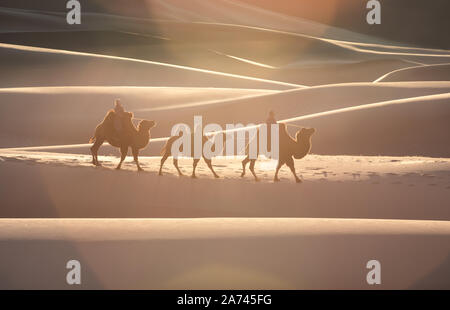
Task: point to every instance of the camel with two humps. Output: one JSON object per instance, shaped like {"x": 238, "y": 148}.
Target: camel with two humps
{"x": 130, "y": 137}
{"x": 289, "y": 148}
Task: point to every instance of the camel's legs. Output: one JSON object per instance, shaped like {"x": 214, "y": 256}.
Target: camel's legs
{"x": 244, "y": 164}
{"x": 280, "y": 163}
{"x": 175, "y": 163}
{"x": 94, "y": 151}
{"x": 136, "y": 158}
{"x": 252, "y": 169}
{"x": 196, "y": 160}
{"x": 290, "y": 164}
{"x": 209, "y": 163}
{"x": 163, "y": 159}
{"x": 123, "y": 152}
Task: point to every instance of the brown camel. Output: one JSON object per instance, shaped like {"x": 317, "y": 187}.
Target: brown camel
{"x": 167, "y": 151}
{"x": 136, "y": 138}
{"x": 289, "y": 148}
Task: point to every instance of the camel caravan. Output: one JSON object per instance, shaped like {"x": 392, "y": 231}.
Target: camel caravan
{"x": 118, "y": 130}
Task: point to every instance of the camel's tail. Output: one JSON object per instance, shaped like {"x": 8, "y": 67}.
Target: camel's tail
{"x": 91, "y": 140}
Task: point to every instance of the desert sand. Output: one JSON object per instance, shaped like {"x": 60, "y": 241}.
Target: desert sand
{"x": 218, "y": 253}
{"x": 356, "y": 186}
{"x": 375, "y": 186}
{"x": 424, "y": 73}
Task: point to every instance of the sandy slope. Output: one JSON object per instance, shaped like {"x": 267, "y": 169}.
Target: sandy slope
{"x": 221, "y": 11}
{"x": 440, "y": 72}
{"x": 398, "y": 127}
{"x": 231, "y": 63}
{"x": 78, "y": 110}
{"x": 349, "y": 127}
{"x": 261, "y": 54}
{"x": 13, "y": 20}
{"x": 222, "y": 253}
{"x": 75, "y": 68}
{"x": 65, "y": 185}
{"x": 316, "y": 240}
{"x": 230, "y": 46}
{"x": 225, "y": 11}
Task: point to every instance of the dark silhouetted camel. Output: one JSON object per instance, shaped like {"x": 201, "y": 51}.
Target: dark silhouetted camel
{"x": 167, "y": 151}
{"x": 289, "y": 148}
{"x": 128, "y": 137}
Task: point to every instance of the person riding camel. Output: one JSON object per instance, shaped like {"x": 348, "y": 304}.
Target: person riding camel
{"x": 119, "y": 122}
{"x": 269, "y": 121}
{"x": 119, "y": 116}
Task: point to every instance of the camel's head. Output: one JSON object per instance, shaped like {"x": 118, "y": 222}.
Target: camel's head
{"x": 303, "y": 138}
{"x": 146, "y": 125}
{"x": 304, "y": 133}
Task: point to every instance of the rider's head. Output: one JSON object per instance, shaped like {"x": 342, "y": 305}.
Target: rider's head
{"x": 118, "y": 108}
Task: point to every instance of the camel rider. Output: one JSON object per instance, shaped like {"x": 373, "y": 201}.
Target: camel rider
{"x": 119, "y": 116}
{"x": 121, "y": 120}
{"x": 269, "y": 121}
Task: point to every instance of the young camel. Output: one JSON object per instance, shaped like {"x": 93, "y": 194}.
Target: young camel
{"x": 167, "y": 151}
{"x": 289, "y": 148}
{"x": 129, "y": 137}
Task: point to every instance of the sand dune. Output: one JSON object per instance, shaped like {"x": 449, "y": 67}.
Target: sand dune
{"x": 407, "y": 26}
{"x": 16, "y": 20}
{"x": 175, "y": 229}
{"x": 346, "y": 130}
{"x": 224, "y": 11}
{"x": 220, "y": 253}
{"x": 365, "y": 48}
{"x": 406, "y": 126}
{"x": 332, "y": 71}
{"x": 237, "y": 47}
{"x": 197, "y": 11}
{"x": 341, "y": 134}
{"x": 246, "y": 13}
{"x": 356, "y": 186}
{"x": 384, "y": 105}
{"x": 440, "y": 72}
{"x": 233, "y": 50}
{"x": 75, "y": 109}
{"x": 313, "y": 100}
{"x": 76, "y": 68}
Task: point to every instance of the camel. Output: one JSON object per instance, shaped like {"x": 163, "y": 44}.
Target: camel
{"x": 289, "y": 148}
{"x": 136, "y": 138}
{"x": 167, "y": 151}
